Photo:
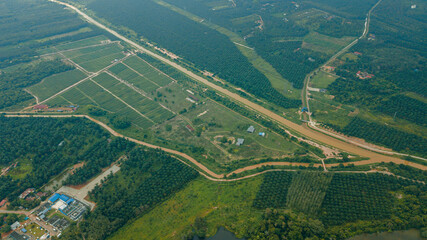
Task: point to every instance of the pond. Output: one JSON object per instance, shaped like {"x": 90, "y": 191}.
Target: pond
{"x": 412, "y": 234}
{"x": 222, "y": 234}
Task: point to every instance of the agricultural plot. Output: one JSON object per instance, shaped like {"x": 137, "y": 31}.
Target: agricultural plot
{"x": 307, "y": 191}
{"x": 141, "y": 82}
{"x": 82, "y": 43}
{"x": 352, "y": 197}
{"x": 99, "y": 59}
{"x": 53, "y": 84}
{"x": 274, "y": 190}
{"x": 147, "y": 107}
{"x": 143, "y": 68}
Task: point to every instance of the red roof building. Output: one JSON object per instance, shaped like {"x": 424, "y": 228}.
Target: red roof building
{"x": 40, "y": 107}
{"x": 3, "y": 202}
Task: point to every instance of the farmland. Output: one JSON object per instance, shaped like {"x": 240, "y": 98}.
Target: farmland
{"x": 147, "y": 100}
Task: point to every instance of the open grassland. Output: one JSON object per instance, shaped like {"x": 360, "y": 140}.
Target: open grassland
{"x": 53, "y": 84}
{"x": 326, "y": 44}
{"x": 221, "y": 204}
{"x": 322, "y": 80}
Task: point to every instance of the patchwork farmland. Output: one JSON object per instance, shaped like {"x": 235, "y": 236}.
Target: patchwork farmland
{"x": 162, "y": 105}
{"x": 106, "y": 76}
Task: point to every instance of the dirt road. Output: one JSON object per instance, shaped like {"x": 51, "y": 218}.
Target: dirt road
{"x": 220, "y": 177}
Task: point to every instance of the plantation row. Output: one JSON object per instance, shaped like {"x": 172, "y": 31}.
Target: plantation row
{"x": 406, "y": 108}
{"x": 387, "y": 136}
{"x": 352, "y": 197}
{"x": 335, "y": 198}
{"x": 287, "y": 58}
{"x": 147, "y": 178}
{"x": 274, "y": 190}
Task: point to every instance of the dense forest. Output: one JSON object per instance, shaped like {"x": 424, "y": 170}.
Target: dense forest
{"x": 13, "y": 83}
{"x": 146, "y": 178}
{"x": 205, "y": 47}
{"x": 42, "y": 148}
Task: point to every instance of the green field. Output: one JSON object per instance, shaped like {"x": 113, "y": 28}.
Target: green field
{"x": 143, "y": 68}
{"x": 53, "y": 84}
{"x": 140, "y": 81}
{"x": 326, "y": 44}
{"x": 322, "y": 80}
{"x": 221, "y": 204}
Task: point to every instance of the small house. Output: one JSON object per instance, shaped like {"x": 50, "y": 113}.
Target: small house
{"x": 262, "y": 134}
{"x": 24, "y": 230}
{"x": 251, "y": 129}
{"x": 240, "y": 141}
{"x": 304, "y": 109}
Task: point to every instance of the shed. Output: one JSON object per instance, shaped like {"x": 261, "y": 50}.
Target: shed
{"x": 24, "y": 230}
{"x": 3, "y": 202}
{"x": 251, "y": 129}
{"x": 262, "y": 134}
{"x": 304, "y": 109}
{"x": 54, "y": 198}
{"x": 240, "y": 141}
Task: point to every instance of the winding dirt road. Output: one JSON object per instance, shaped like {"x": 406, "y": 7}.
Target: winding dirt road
{"x": 206, "y": 172}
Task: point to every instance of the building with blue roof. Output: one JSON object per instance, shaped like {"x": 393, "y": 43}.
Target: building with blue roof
{"x": 54, "y": 198}
{"x": 69, "y": 201}
{"x": 64, "y": 198}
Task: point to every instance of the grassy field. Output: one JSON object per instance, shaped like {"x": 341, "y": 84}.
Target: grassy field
{"x": 322, "y": 43}
{"x": 35, "y": 230}
{"x": 53, "y": 84}
{"x": 322, "y": 80}
{"x": 221, "y": 204}
{"x": 327, "y": 110}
